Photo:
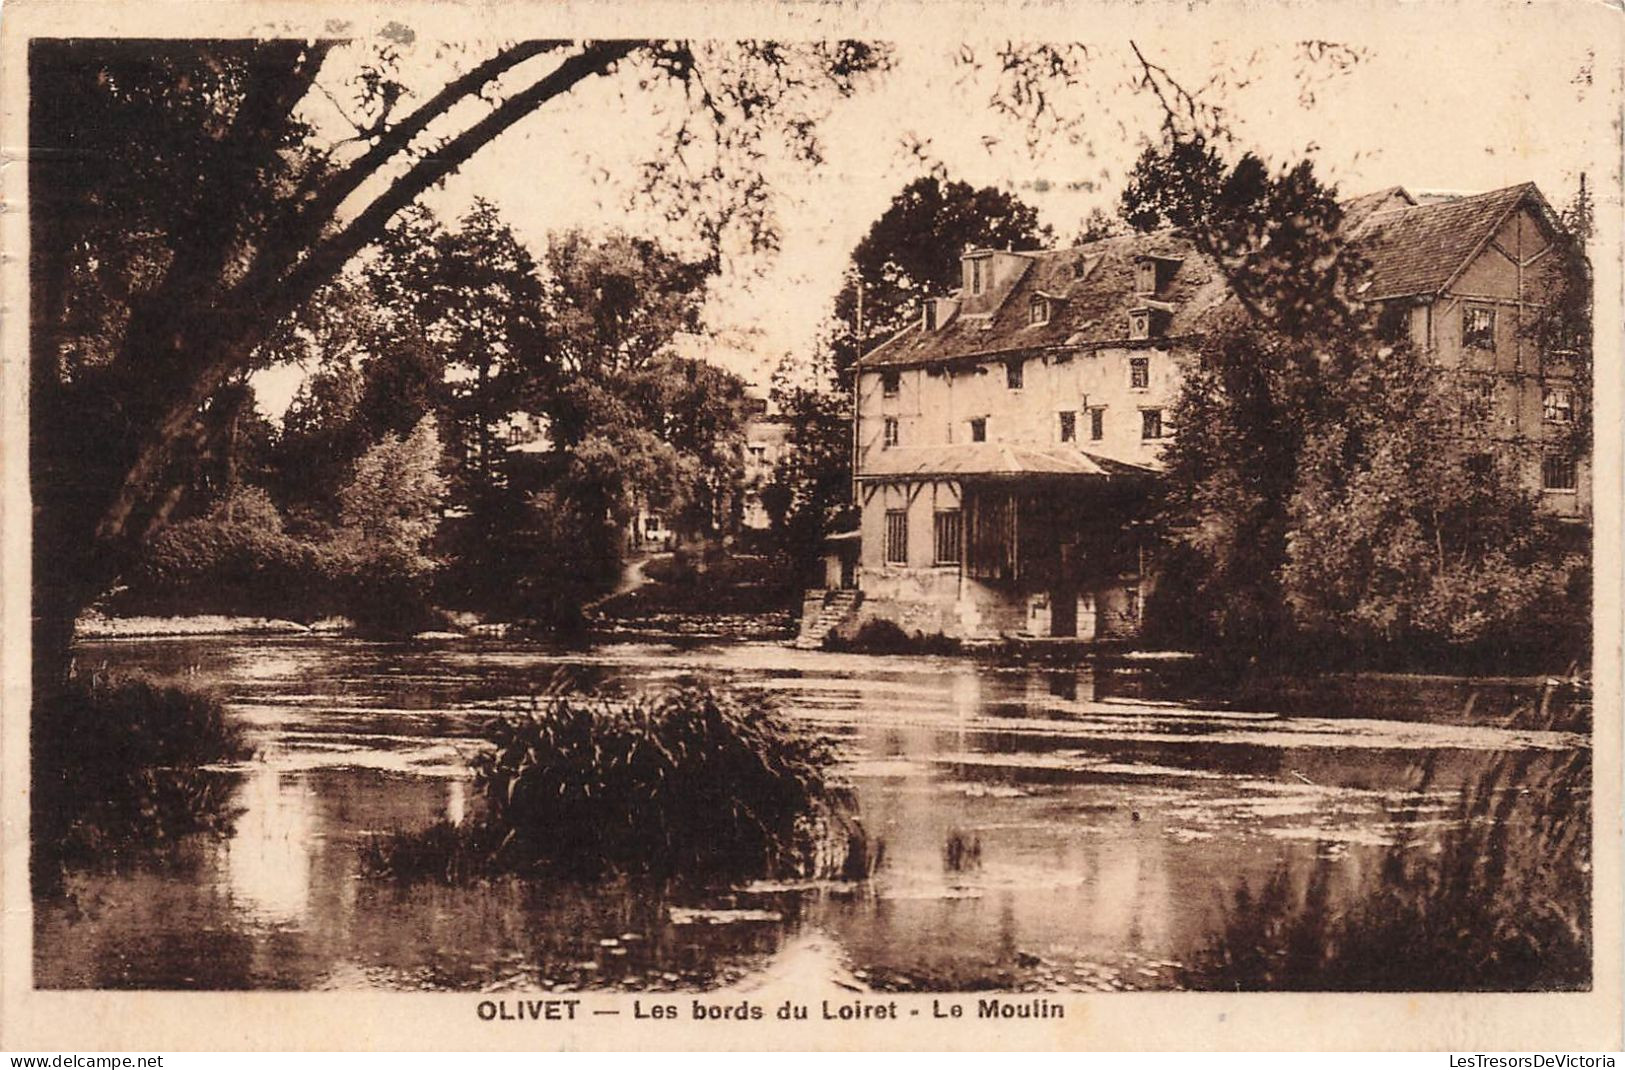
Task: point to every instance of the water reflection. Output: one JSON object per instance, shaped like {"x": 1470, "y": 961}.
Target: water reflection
{"x": 1043, "y": 828}
{"x": 268, "y": 857}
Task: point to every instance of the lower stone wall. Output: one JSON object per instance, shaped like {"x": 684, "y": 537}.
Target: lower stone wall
{"x": 921, "y": 602}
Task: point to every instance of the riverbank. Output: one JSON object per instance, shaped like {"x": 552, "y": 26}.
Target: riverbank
{"x": 98, "y": 626}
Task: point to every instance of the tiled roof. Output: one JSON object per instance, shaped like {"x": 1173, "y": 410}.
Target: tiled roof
{"x": 991, "y": 459}
{"x": 1418, "y": 249}
{"x": 1413, "y": 249}
{"x": 1093, "y": 290}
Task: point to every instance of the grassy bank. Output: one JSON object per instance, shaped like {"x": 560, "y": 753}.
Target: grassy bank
{"x": 690, "y": 783}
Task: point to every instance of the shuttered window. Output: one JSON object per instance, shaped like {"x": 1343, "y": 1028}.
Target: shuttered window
{"x": 948, "y": 530}
{"x": 896, "y": 536}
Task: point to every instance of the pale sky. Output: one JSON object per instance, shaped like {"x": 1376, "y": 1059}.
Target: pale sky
{"x": 1471, "y": 104}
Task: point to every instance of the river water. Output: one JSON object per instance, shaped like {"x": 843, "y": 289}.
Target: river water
{"x": 1043, "y": 828}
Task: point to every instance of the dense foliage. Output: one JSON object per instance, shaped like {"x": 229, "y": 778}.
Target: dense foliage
{"x": 186, "y": 213}
{"x": 1330, "y": 492}
{"x": 119, "y": 765}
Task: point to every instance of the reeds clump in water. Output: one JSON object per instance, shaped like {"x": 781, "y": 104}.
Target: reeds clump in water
{"x": 689, "y": 783}
{"x": 1502, "y": 902}
{"x": 118, "y": 764}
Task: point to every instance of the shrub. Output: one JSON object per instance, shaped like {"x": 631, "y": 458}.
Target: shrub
{"x": 690, "y": 783}
{"x": 118, "y": 763}
{"x": 1501, "y": 903}
{"x": 879, "y": 636}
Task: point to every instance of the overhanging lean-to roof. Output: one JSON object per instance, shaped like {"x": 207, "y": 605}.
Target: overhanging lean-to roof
{"x": 993, "y": 460}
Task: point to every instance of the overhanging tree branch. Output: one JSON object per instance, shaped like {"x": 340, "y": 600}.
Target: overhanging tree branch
{"x": 246, "y": 308}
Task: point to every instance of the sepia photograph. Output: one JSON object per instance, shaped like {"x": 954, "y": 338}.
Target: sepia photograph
{"x": 717, "y": 514}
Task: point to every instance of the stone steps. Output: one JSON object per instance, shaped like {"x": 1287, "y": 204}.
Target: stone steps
{"x": 820, "y": 617}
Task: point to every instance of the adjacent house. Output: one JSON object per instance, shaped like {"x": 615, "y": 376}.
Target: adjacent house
{"x": 1006, "y": 442}
{"x": 767, "y": 434}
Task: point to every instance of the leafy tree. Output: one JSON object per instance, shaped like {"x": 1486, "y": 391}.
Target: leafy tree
{"x": 323, "y": 433}
{"x": 475, "y": 293}
{"x": 1322, "y": 484}
{"x": 912, "y": 252}
{"x": 395, "y": 494}
{"x": 1394, "y": 539}
{"x": 1563, "y": 326}
{"x": 185, "y": 210}
{"x": 616, "y": 304}
{"x": 810, "y": 494}
{"x": 1099, "y": 224}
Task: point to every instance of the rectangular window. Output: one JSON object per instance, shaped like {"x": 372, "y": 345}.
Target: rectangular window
{"x": 1477, "y": 400}
{"x": 1131, "y": 603}
{"x": 891, "y": 432}
{"x": 896, "y": 536}
{"x": 1557, "y": 472}
{"x": 948, "y": 536}
{"x": 1478, "y": 327}
{"x": 1139, "y": 324}
{"x": 1097, "y": 424}
{"x": 1139, "y": 373}
{"x": 976, "y": 280}
{"x": 890, "y": 383}
{"x": 978, "y": 429}
{"x": 1150, "y": 424}
{"x": 1037, "y": 311}
{"x": 1069, "y": 427}
{"x": 1557, "y": 404}
{"x": 1013, "y": 374}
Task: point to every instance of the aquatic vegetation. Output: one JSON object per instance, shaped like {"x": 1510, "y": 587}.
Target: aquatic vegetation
{"x": 118, "y": 765}
{"x": 1501, "y": 902}
{"x": 881, "y": 636}
{"x": 690, "y": 782}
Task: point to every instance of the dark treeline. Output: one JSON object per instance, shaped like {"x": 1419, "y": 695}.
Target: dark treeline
{"x": 476, "y": 432}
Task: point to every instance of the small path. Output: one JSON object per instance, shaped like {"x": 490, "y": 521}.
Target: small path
{"x": 633, "y": 576}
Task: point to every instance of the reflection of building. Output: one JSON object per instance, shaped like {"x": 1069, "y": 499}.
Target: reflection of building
{"x": 1006, "y": 441}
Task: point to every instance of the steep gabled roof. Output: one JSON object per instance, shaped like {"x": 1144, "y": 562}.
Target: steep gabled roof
{"x": 1092, "y": 288}
{"x": 1417, "y": 250}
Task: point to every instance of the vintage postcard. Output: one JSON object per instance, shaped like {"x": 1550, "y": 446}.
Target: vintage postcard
{"x": 1050, "y": 525}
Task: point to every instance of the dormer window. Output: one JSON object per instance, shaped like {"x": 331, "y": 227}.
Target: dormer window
{"x": 930, "y": 317}
{"x": 1038, "y": 310}
{"x": 979, "y": 272}
{"x": 1139, "y": 323}
{"x": 1145, "y": 277}
{"x": 1153, "y": 273}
